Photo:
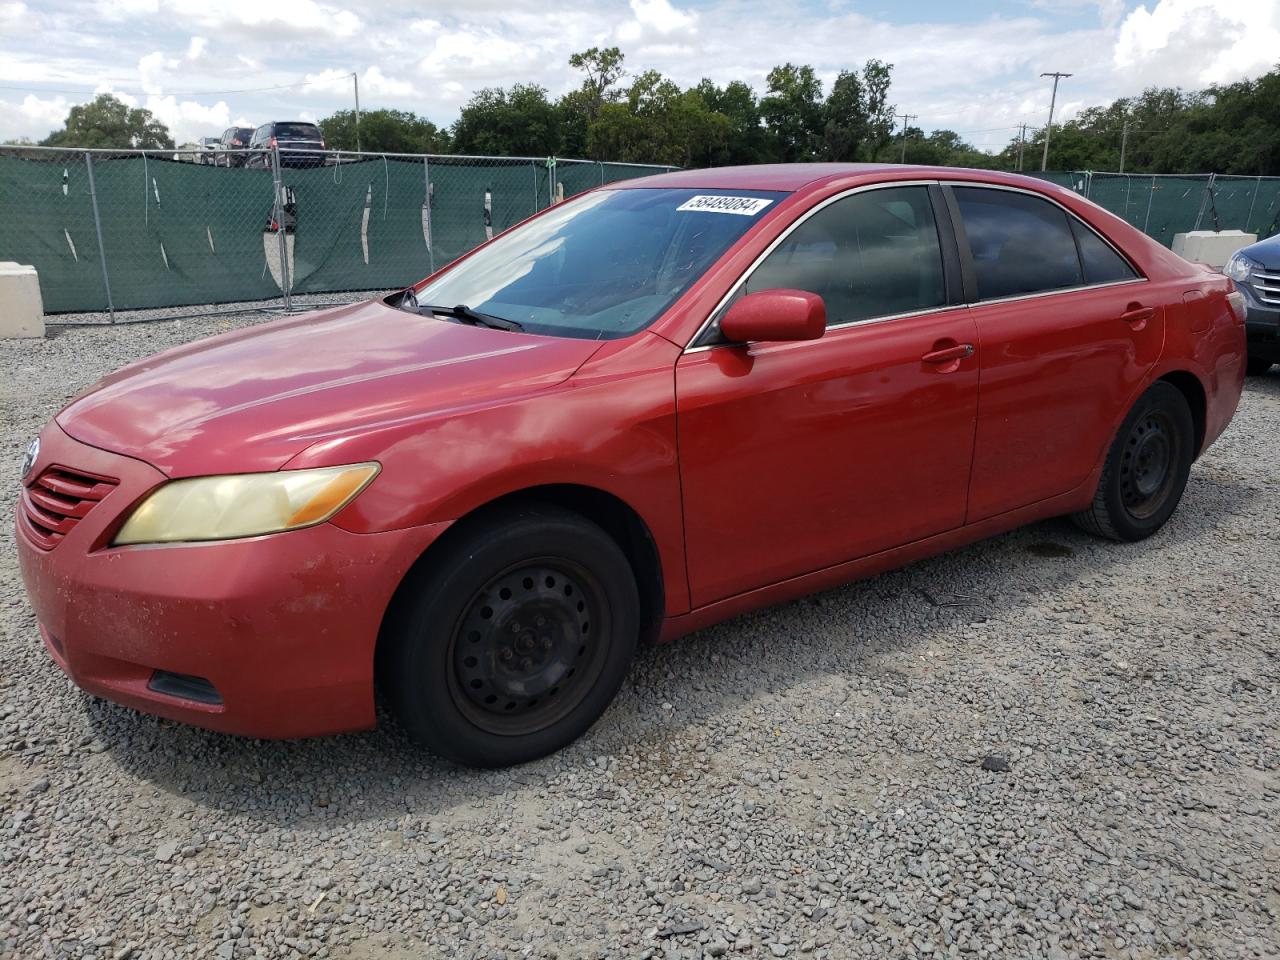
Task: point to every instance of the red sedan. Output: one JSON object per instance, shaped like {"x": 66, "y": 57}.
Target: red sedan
{"x": 642, "y": 411}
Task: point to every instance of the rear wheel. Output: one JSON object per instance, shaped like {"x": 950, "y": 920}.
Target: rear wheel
{"x": 1146, "y": 469}
{"x": 1259, "y": 366}
{"x": 512, "y": 641}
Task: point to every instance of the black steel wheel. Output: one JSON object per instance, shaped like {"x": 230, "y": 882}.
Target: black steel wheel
{"x": 1146, "y": 469}
{"x": 528, "y": 646}
{"x": 511, "y": 639}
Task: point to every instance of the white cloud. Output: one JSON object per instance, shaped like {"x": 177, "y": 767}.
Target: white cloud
{"x": 1191, "y": 43}
{"x": 373, "y": 84}
{"x": 32, "y": 113}
{"x": 655, "y": 19}
{"x": 429, "y": 56}
{"x": 189, "y": 119}
{"x": 278, "y": 18}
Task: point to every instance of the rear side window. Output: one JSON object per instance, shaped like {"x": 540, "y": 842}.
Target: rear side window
{"x": 872, "y": 254}
{"x": 1101, "y": 263}
{"x": 1020, "y": 244}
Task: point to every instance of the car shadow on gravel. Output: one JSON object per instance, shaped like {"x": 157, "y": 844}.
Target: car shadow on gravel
{"x": 858, "y": 630}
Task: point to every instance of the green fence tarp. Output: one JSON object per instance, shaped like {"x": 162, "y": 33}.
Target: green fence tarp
{"x": 1162, "y": 206}
{"x": 179, "y": 234}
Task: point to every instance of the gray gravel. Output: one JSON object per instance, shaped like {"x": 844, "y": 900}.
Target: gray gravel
{"x": 1040, "y": 746}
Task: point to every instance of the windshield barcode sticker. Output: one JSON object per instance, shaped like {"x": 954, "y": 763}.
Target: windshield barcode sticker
{"x": 710, "y": 203}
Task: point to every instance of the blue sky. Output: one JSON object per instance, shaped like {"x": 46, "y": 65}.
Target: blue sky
{"x": 970, "y": 66}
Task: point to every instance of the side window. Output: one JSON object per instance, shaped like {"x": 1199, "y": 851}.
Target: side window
{"x": 1020, "y": 244}
{"x": 872, "y": 254}
{"x": 1101, "y": 263}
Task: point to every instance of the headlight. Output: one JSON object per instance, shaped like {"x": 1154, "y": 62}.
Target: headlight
{"x": 1240, "y": 267}
{"x": 244, "y": 505}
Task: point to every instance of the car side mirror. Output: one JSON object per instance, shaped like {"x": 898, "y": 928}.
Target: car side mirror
{"x": 775, "y": 315}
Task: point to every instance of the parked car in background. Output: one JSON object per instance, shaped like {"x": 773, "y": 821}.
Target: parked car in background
{"x": 233, "y": 146}
{"x": 188, "y": 152}
{"x": 476, "y": 496}
{"x": 299, "y": 144}
{"x": 1256, "y": 271}
{"x": 207, "y": 153}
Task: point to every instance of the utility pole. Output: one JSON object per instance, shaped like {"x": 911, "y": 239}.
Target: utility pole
{"x": 1124, "y": 142}
{"x": 905, "y": 118}
{"x": 1022, "y": 142}
{"x": 355, "y": 83}
{"x": 1044, "y": 161}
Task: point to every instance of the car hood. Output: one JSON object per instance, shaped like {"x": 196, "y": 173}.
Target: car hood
{"x": 1265, "y": 252}
{"x": 254, "y": 398}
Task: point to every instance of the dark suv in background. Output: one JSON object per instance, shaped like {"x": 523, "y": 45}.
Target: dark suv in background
{"x": 298, "y": 143}
{"x": 232, "y": 146}
{"x": 1256, "y": 271}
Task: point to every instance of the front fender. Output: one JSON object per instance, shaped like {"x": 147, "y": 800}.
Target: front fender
{"x": 611, "y": 426}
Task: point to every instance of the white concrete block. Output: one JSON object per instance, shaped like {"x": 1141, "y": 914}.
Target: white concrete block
{"x": 1211, "y": 247}
{"x": 21, "y": 307}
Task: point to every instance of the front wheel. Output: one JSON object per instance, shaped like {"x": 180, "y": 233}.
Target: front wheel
{"x": 1146, "y": 469}
{"x": 511, "y": 641}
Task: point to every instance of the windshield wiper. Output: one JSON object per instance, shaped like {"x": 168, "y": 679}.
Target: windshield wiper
{"x": 464, "y": 314}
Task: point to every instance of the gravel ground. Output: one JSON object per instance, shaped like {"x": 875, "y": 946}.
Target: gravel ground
{"x": 1040, "y": 746}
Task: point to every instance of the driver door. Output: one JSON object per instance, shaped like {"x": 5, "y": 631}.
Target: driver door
{"x": 799, "y": 456}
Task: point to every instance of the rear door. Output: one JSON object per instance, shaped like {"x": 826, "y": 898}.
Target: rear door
{"x": 799, "y": 456}
{"x": 1067, "y": 330}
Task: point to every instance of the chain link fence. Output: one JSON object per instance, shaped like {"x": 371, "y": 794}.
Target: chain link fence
{"x": 1163, "y": 205}
{"x": 121, "y": 230}
{"x": 126, "y": 230}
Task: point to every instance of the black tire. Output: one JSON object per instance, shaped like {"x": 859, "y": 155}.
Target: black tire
{"x": 1259, "y": 366}
{"x": 1146, "y": 469}
{"x": 511, "y": 641}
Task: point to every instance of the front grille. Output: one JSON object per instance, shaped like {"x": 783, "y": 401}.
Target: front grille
{"x": 1266, "y": 287}
{"x": 57, "y": 501}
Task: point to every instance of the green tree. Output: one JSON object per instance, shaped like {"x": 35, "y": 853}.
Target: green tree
{"x": 516, "y": 122}
{"x": 390, "y": 131}
{"x": 603, "y": 69}
{"x": 745, "y": 140}
{"x": 109, "y": 122}
{"x": 657, "y": 122}
{"x": 793, "y": 115}
{"x": 942, "y": 148}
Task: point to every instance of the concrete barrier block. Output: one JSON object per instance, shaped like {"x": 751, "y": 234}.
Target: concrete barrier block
{"x": 1211, "y": 247}
{"x": 21, "y": 308}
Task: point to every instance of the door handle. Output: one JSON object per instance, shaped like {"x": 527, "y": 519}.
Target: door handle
{"x": 1137, "y": 315}
{"x": 960, "y": 351}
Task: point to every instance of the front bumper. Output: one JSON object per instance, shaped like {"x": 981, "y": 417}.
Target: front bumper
{"x": 1262, "y": 323}
{"x": 282, "y": 627}
{"x": 1262, "y": 330}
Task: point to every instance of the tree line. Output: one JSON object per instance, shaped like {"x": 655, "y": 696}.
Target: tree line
{"x": 649, "y": 118}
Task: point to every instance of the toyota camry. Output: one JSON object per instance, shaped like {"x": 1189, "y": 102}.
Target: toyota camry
{"x": 644, "y": 410}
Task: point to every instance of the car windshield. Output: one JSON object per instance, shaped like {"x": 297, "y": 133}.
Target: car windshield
{"x": 604, "y": 265}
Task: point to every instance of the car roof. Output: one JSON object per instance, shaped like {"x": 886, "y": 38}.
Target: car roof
{"x": 791, "y": 177}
